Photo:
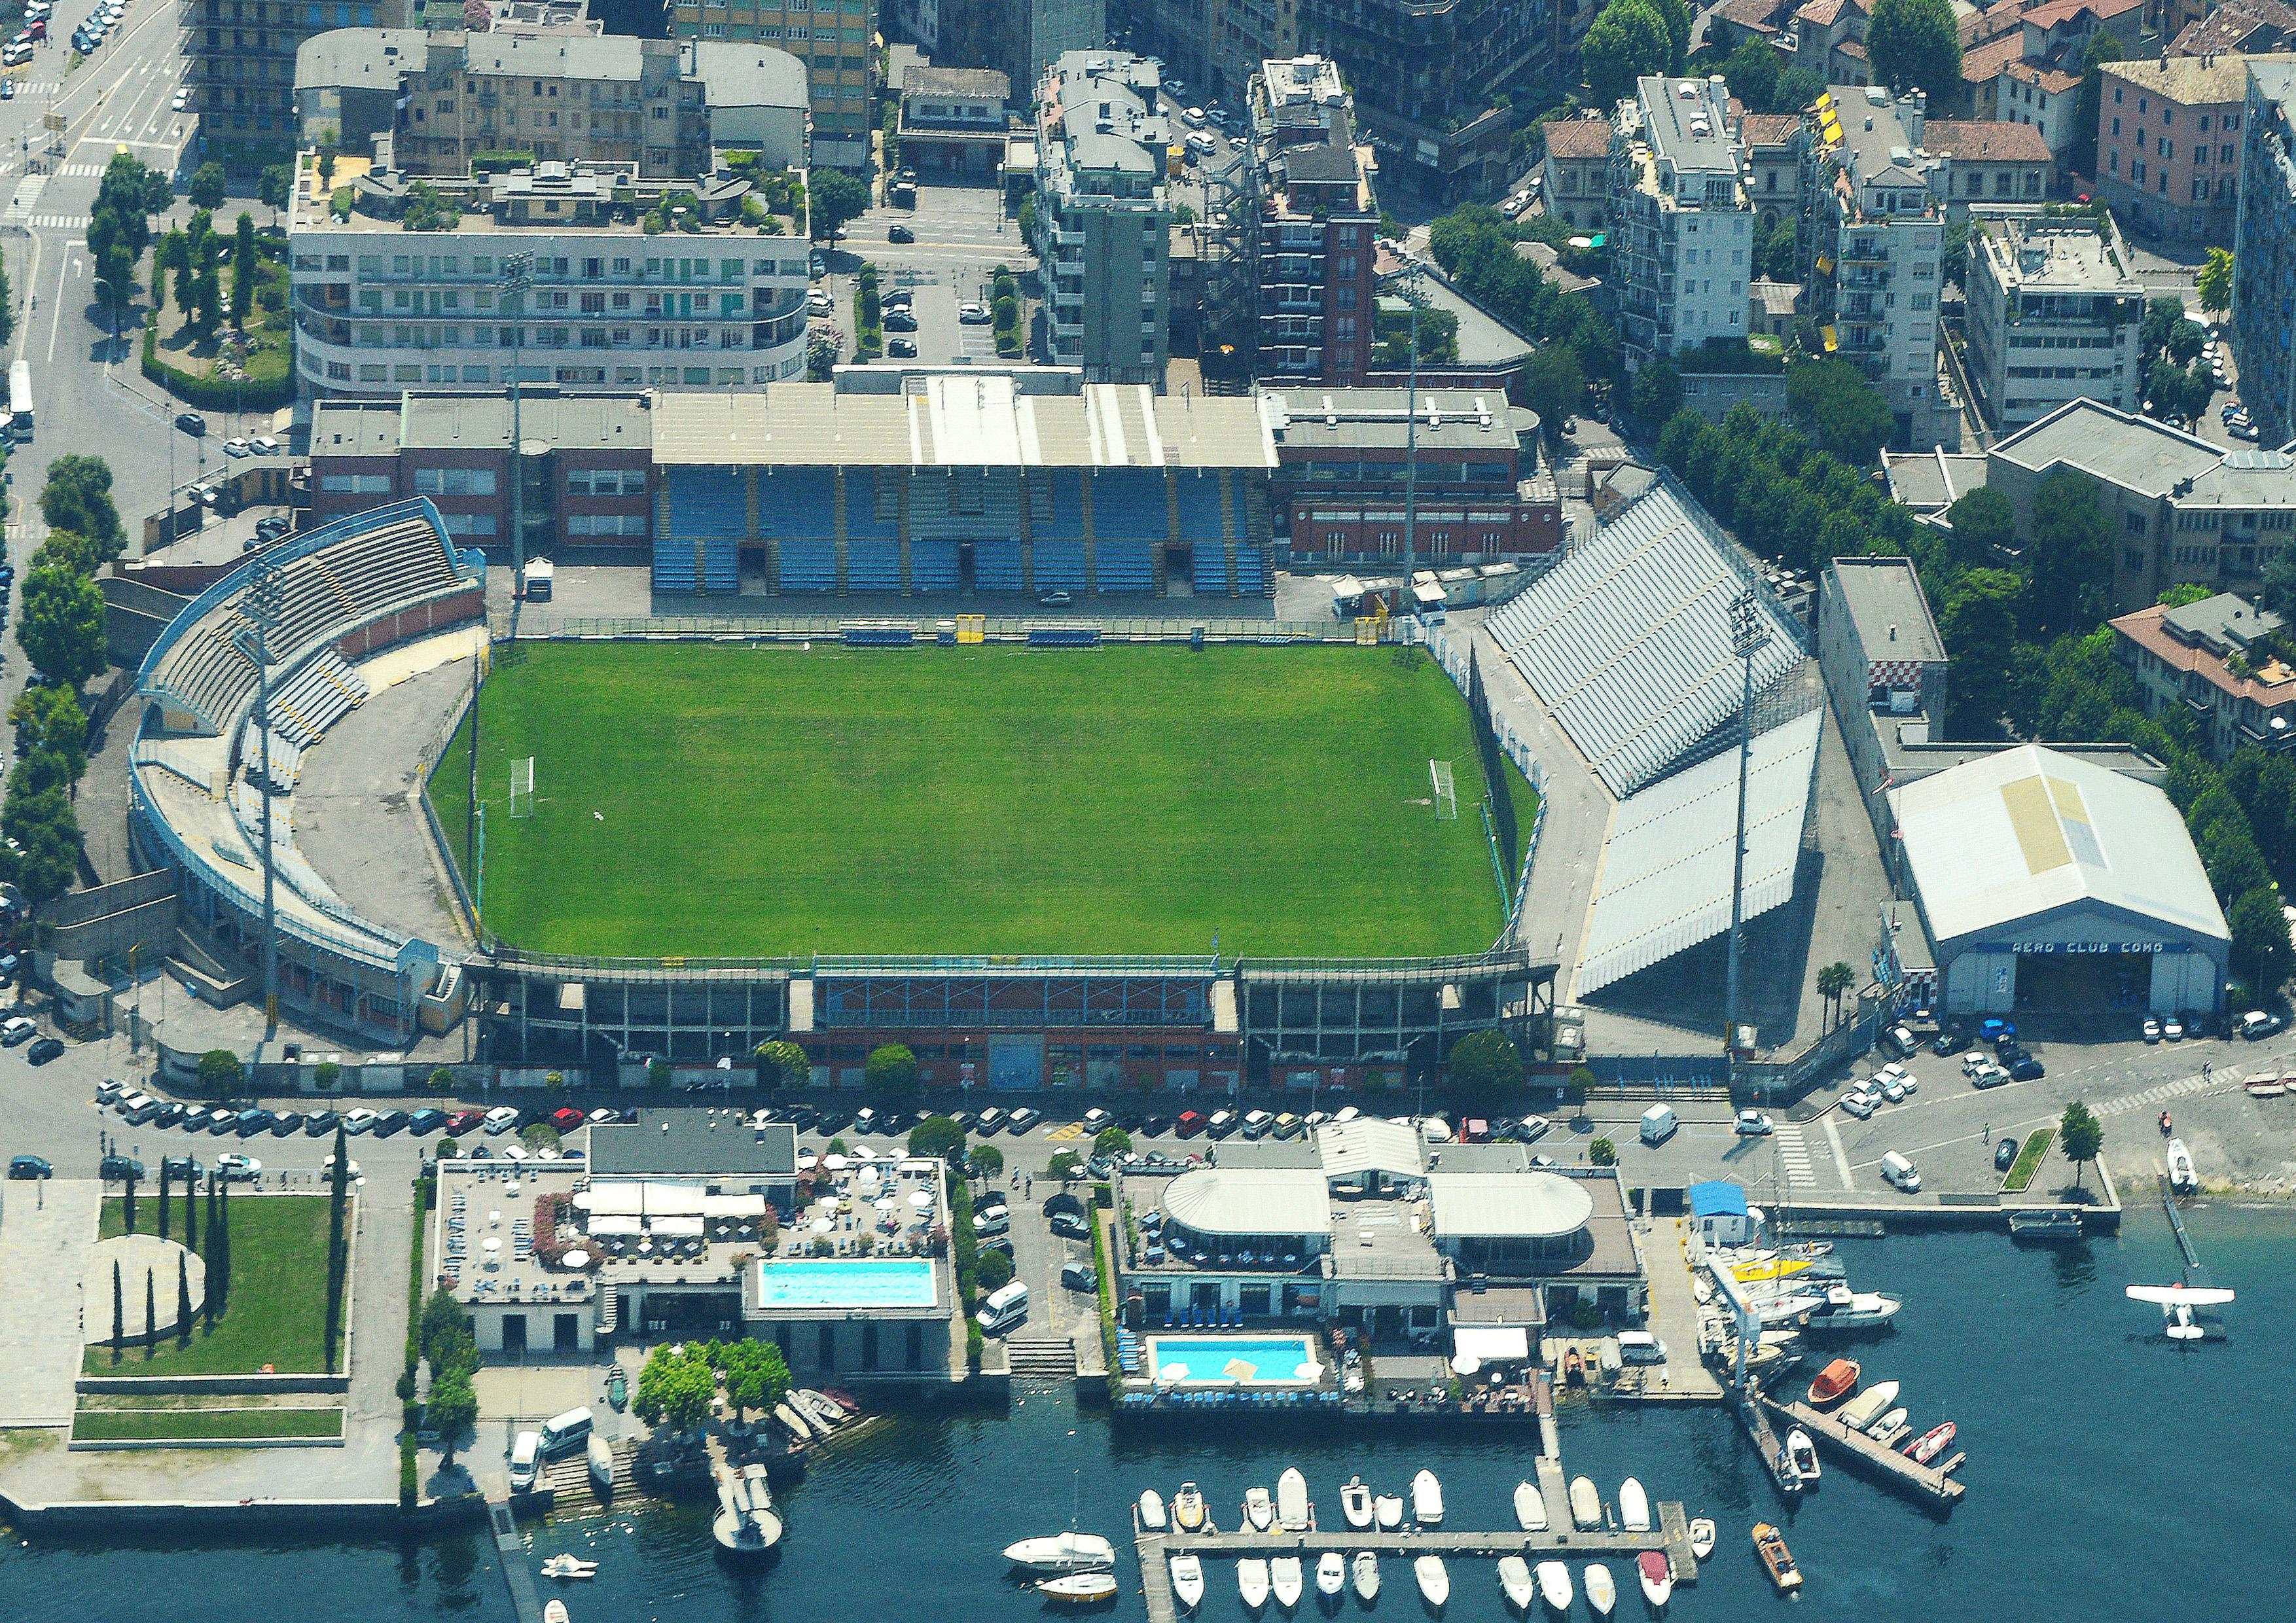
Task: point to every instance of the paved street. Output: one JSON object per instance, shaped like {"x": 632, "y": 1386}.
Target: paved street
{"x": 961, "y": 236}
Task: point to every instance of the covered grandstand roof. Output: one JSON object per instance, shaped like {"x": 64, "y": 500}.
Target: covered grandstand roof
{"x": 1663, "y": 881}
{"x": 1507, "y": 1205}
{"x": 959, "y": 420}
{"x": 1250, "y": 1200}
{"x": 1627, "y": 640}
{"x": 1370, "y": 1144}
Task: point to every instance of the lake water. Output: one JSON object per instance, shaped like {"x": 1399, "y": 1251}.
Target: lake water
{"x": 2111, "y": 1475}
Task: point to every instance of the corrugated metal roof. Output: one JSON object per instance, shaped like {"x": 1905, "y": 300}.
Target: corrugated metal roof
{"x": 1250, "y": 1200}
{"x": 1507, "y": 1205}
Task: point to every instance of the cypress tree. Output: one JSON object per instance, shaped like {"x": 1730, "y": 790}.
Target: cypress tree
{"x": 150, "y": 1312}
{"x": 219, "y": 1242}
{"x": 130, "y": 1185}
{"x": 183, "y": 1299}
{"x": 338, "y": 1198}
{"x": 164, "y": 1197}
{"x": 190, "y": 1212}
{"x": 119, "y": 1314}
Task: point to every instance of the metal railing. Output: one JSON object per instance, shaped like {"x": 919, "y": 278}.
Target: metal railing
{"x": 796, "y": 627}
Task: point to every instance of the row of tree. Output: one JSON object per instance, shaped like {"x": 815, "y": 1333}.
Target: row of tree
{"x": 195, "y": 256}
{"x": 1475, "y": 246}
{"x": 451, "y": 1406}
{"x": 678, "y": 1386}
{"x": 217, "y": 1259}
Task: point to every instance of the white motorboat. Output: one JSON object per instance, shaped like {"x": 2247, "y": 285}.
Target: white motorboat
{"x": 1845, "y": 1310}
{"x": 1514, "y": 1580}
{"x": 1258, "y": 1510}
{"x": 566, "y": 1568}
{"x": 1079, "y": 1589}
{"x": 1602, "y": 1593}
{"x": 1890, "y": 1428}
{"x": 1355, "y": 1504}
{"x": 1434, "y": 1582}
{"x": 1152, "y": 1512}
{"x": 1702, "y": 1534}
{"x": 825, "y": 1414}
{"x": 1251, "y": 1581}
{"x": 1529, "y": 1507}
{"x": 1802, "y": 1454}
{"x": 2183, "y": 1176}
{"x": 1331, "y": 1573}
{"x": 1058, "y": 1553}
{"x": 1427, "y": 1500}
{"x": 1188, "y": 1580}
{"x": 1869, "y": 1406}
{"x": 794, "y": 1424}
{"x": 1365, "y": 1569}
{"x": 1554, "y": 1584}
{"x": 1188, "y": 1508}
{"x": 1387, "y": 1510}
{"x": 1657, "y": 1575}
{"x": 1284, "y": 1577}
{"x": 1292, "y": 1512}
{"x": 1633, "y": 1507}
{"x": 1586, "y": 1505}
{"x": 555, "y": 1611}
{"x": 598, "y": 1454}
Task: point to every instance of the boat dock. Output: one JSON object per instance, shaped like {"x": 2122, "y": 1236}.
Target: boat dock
{"x": 2196, "y": 1275}
{"x": 1767, "y": 1442}
{"x": 509, "y": 1551}
{"x": 1933, "y": 1483}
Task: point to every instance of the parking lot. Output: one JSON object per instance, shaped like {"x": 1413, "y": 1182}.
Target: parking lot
{"x": 961, "y": 235}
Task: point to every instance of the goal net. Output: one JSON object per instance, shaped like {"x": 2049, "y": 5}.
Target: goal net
{"x": 522, "y": 787}
{"x": 1446, "y": 794}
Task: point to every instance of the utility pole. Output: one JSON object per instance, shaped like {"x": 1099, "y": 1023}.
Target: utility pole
{"x": 260, "y": 604}
{"x": 517, "y": 277}
{"x": 1748, "y": 637}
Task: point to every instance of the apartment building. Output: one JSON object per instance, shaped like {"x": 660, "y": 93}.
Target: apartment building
{"x": 2264, "y": 247}
{"x": 2168, "y": 144}
{"x": 1017, "y": 39}
{"x": 1318, "y": 220}
{"x": 239, "y": 68}
{"x": 1682, "y": 224}
{"x": 1991, "y": 161}
{"x": 1771, "y": 142}
{"x": 2220, "y": 662}
{"x": 634, "y": 283}
{"x": 1104, "y": 216}
{"x": 2054, "y": 315}
{"x": 1872, "y": 246}
{"x": 832, "y": 37}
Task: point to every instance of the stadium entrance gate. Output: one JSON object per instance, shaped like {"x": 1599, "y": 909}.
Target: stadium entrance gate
{"x": 1016, "y": 1065}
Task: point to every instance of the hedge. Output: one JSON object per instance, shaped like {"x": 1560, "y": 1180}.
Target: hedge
{"x": 410, "y": 1477}
{"x": 218, "y": 394}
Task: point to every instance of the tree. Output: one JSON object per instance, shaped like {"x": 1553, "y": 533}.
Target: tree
{"x": 339, "y": 1184}
{"x": 1675, "y": 15}
{"x": 2088, "y": 106}
{"x": 1484, "y": 1071}
{"x": 44, "y": 859}
{"x": 77, "y": 497}
{"x": 2215, "y": 276}
{"x": 128, "y": 1199}
{"x": 1833, "y": 984}
{"x": 190, "y": 1213}
{"x": 275, "y": 189}
{"x": 834, "y": 198}
{"x": 1554, "y": 385}
{"x": 443, "y": 1320}
{"x": 243, "y": 271}
{"x": 1775, "y": 249}
{"x": 220, "y": 1070}
{"x": 151, "y": 1311}
{"x": 757, "y": 1375}
{"x": 993, "y": 1271}
{"x": 207, "y": 186}
{"x": 891, "y": 1071}
{"x": 119, "y": 1314}
{"x": 1065, "y": 1165}
{"x": 675, "y": 1388}
{"x": 2071, "y": 553}
{"x": 166, "y": 1196}
{"x": 1799, "y": 87}
{"x": 1752, "y": 73}
{"x": 1953, "y": 264}
{"x": 986, "y": 1161}
{"x": 782, "y": 1064}
{"x": 1840, "y": 410}
{"x": 7, "y": 306}
{"x": 938, "y": 1136}
{"x": 62, "y": 631}
{"x": 1915, "y": 45}
{"x": 1603, "y": 1152}
{"x": 183, "y": 1290}
{"x": 1112, "y": 1140}
{"x": 1980, "y": 627}
{"x": 50, "y": 719}
{"x": 2080, "y": 1136}
{"x": 541, "y": 1136}
{"x": 1657, "y": 393}
{"x": 1984, "y": 526}
{"x": 450, "y": 1410}
{"x": 2259, "y": 940}
{"x": 1628, "y": 41}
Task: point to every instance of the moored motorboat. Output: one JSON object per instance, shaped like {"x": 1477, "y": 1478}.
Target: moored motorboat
{"x": 1284, "y": 1577}
{"x": 1529, "y": 1507}
{"x": 1355, "y": 1504}
{"x": 825, "y": 1414}
{"x": 1188, "y": 1580}
{"x": 1889, "y": 1427}
{"x": 1387, "y": 1510}
{"x": 1079, "y": 1589}
{"x": 1930, "y": 1444}
{"x": 1574, "y": 1367}
{"x": 1426, "y": 1500}
{"x": 555, "y": 1611}
{"x": 746, "y": 1526}
{"x": 1292, "y": 1511}
{"x": 598, "y": 1455}
{"x": 1365, "y": 1572}
{"x": 1331, "y": 1573}
{"x": 1802, "y": 1453}
{"x": 2056, "y": 1226}
{"x": 1770, "y": 1545}
{"x": 1554, "y": 1585}
{"x": 1702, "y": 1536}
{"x": 842, "y": 1398}
{"x": 1585, "y": 1504}
{"x": 1834, "y": 1383}
{"x": 1152, "y": 1512}
{"x": 1258, "y": 1510}
{"x": 566, "y": 1568}
{"x": 1601, "y": 1593}
{"x": 1633, "y": 1507}
{"x": 1842, "y": 1308}
{"x": 1251, "y": 1581}
{"x": 1657, "y": 1576}
{"x": 1514, "y": 1581}
{"x": 2183, "y": 1176}
{"x": 1058, "y": 1553}
{"x": 1868, "y": 1406}
{"x": 1188, "y": 1508}
{"x": 1434, "y": 1582}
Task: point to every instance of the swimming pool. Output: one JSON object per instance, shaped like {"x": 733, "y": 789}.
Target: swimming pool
{"x": 1230, "y": 1360}
{"x": 862, "y": 1282}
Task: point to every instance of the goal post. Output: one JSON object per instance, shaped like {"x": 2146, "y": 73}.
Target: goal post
{"x": 522, "y": 787}
{"x": 1447, "y": 793}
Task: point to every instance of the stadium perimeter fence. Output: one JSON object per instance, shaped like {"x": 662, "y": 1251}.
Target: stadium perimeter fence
{"x": 1455, "y": 664}
{"x": 927, "y": 629}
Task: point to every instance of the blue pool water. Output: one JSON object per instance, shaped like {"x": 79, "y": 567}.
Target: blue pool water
{"x": 872, "y": 1282}
{"x": 1275, "y": 1360}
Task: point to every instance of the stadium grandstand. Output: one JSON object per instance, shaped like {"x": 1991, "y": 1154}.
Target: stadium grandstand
{"x": 960, "y": 480}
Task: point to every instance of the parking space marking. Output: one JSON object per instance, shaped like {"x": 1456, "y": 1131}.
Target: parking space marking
{"x": 1840, "y": 1155}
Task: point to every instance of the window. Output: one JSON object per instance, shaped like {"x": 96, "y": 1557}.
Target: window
{"x": 2136, "y": 523}
{"x": 468, "y": 523}
{"x": 454, "y": 481}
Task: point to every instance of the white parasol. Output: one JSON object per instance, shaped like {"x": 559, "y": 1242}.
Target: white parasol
{"x": 1465, "y": 1364}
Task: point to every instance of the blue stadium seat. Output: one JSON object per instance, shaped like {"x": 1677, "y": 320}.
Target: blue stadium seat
{"x": 1059, "y": 565}
{"x": 1208, "y": 567}
{"x": 1250, "y": 570}
{"x": 673, "y": 566}
{"x": 721, "y": 564}
{"x": 808, "y": 565}
{"x": 997, "y": 566}
{"x": 1200, "y": 507}
{"x": 873, "y": 565}
{"x": 1125, "y": 566}
{"x": 1127, "y": 505}
{"x": 798, "y": 504}
{"x": 933, "y": 566}
{"x": 861, "y": 497}
{"x": 707, "y": 501}
{"x": 1061, "y": 517}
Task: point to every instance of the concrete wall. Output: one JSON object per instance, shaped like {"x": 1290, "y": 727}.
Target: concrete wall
{"x": 1712, "y": 394}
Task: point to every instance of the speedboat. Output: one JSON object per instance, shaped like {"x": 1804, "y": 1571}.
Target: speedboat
{"x": 565, "y": 1568}
{"x": 1251, "y": 1581}
{"x": 1188, "y": 1508}
{"x": 1770, "y": 1545}
{"x": 1078, "y": 1589}
{"x": 1529, "y": 1507}
{"x": 1283, "y": 1576}
{"x": 1434, "y": 1582}
{"x": 1387, "y": 1510}
{"x": 1058, "y": 1553}
{"x": 1869, "y": 1406}
{"x": 2183, "y": 1176}
{"x": 1427, "y": 1500}
{"x": 1258, "y": 1510}
{"x": 598, "y": 1454}
{"x": 1843, "y": 1308}
{"x": 1585, "y": 1504}
{"x": 1188, "y": 1580}
{"x": 1292, "y": 1510}
{"x": 1152, "y": 1512}
{"x": 1554, "y": 1585}
{"x": 555, "y": 1611}
{"x": 1834, "y": 1383}
{"x": 1633, "y": 1507}
{"x": 1930, "y": 1444}
{"x": 1602, "y": 1593}
{"x": 1355, "y": 1504}
{"x": 1514, "y": 1579}
{"x": 1331, "y": 1573}
{"x": 1365, "y": 1569}
{"x": 1657, "y": 1578}
{"x": 1890, "y": 1428}
{"x": 1803, "y": 1454}
{"x": 746, "y": 1527}
{"x": 1702, "y": 1534}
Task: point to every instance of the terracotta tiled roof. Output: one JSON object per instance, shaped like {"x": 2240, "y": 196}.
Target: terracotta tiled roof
{"x": 2233, "y": 26}
{"x": 1986, "y": 140}
{"x": 1982, "y": 64}
{"x": 1822, "y": 13}
{"x": 1853, "y": 49}
{"x": 1763, "y": 16}
{"x": 2145, "y": 629}
{"x": 2054, "y": 81}
{"x": 1768, "y": 129}
{"x": 1578, "y": 137}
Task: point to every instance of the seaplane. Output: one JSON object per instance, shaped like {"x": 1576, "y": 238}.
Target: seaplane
{"x": 2179, "y": 1305}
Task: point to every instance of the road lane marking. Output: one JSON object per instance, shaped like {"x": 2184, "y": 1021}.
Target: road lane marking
{"x": 1840, "y": 1155}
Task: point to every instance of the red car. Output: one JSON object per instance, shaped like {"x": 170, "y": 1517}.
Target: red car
{"x": 464, "y": 1121}
{"x": 567, "y": 1120}
{"x": 1190, "y": 1124}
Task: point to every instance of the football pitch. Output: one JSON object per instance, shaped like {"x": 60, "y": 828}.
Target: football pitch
{"x": 720, "y": 801}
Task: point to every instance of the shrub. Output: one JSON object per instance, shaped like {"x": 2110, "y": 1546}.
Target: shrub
{"x": 995, "y": 1271}
{"x": 410, "y": 1481}
{"x": 1603, "y": 1152}
{"x": 326, "y": 1074}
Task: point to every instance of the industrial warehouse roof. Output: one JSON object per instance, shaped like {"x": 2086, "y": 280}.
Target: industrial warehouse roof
{"x": 1507, "y": 1205}
{"x": 1663, "y": 881}
{"x": 959, "y": 420}
{"x": 1367, "y": 1143}
{"x": 1250, "y": 1200}
{"x": 2033, "y": 831}
{"x": 1627, "y": 642}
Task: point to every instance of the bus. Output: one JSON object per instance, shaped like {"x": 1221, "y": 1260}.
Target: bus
{"x": 20, "y": 399}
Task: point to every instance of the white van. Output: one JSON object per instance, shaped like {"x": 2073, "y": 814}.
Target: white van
{"x": 565, "y": 1432}
{"x": 1640, "y": 1346}
{"x": 1659, "y": 1124}
{"x": 525, "y": 1462}
{"x": 1902, "y": 1172}
{"x": 1005, "y": 1310}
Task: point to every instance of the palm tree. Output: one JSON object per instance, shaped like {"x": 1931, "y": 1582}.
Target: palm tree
{"x": 1833, "y": 984}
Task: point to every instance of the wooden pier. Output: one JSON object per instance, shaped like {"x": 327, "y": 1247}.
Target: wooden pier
{"x": 1766, "y": 1441}
{"x": 1935, "y": 1484}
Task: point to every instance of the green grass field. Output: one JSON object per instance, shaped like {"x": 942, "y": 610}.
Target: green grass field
{"x": 277, "y": 1313}
{"x": 721, "y": 800}
{"x": 181, "y": 1425}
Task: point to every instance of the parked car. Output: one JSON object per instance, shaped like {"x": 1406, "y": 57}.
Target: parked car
{"x": 2005, "y": 1155}
{"x": 901, "y": 348}
{"x": 605, "y": 1114}
{"x": 426, "y": 1121}
{"x": 191, "y": 423}
{"x": 47, "y": 1048}
{"x": 1190, "y": 1123}
{"x": 268, "y": 530}
{"x": 900, "y": 319}
{"x": 17, "y": 1031}
{"x": 1023, "y": 1119}
{"x": 460, "y": 1122}
{"x": 23, "y": 1167}
{"x": 567, "y": 1120}
{"x": 284, "y": 1122}
{"x": 236, "y": 447}
{"x": 360, "y": 1120}
{"x": 1752, "y": 1124}
{"x": 2028, "y": 1069}
{"x": 389, "y": 1122}
{"x": 120, "y": 1169}
{"x": 2151, "y": 1029}
{"x": 2173, "y": 1028}
{"x": 1953, "y": 1039}
{"x": 1155, "y": 1127}
{"x": 182, "y": 1170}
{"x": 253, "y": 1120}
{"x": 264, "y": 445}
{"x": 500, "y": 1119}
{"x": 237, "y": 1169}
{"x": 1859, "y": 1104}
{"x": 108, "y": 1089}
{"x": 1221, "y": 1124}
{"x": 973, "y": 314}
{"x": 320, "y": 1122}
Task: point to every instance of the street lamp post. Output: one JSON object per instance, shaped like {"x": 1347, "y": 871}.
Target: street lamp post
{"x": 517, "y": 277}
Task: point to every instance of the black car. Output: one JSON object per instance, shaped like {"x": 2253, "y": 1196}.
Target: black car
{"x": 319, "y": 1122}
{"x": 270, "y": 529}
{"x": 426, "y": 1121}
{"x": 1155, "y": 1127}
{"x": 120, "y": 1169}
{"x": 899, "y": 234}
{"x": 899, "y": 321}
{"x": 389, "y": 1122}
{"x": 284, "y": 1122}
{"x": 801, "y": 1117}
{"x": 2027, "y": 1069}
{"x": 254, "y": 1121}
{"x": 901, "y": 348}
{"x": 2005, "y": 1155}
{"x": 167, "y": 1115}
{"x": 182, "y": 1170}
{"x": 30, "y": 1167}
{"x": 833, "y": 1120}
{"x": 47, "y": 1048}
{"x": 1953, "y": 1039}
{"x": 191, "y": 423}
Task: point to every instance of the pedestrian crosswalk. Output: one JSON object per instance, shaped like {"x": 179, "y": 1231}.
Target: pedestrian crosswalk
{"x": 1793, "y": 1154}
{"x": 2165, "y": 1092}
{"x": 84, "y": 171}
{"x": 57, "y": 222}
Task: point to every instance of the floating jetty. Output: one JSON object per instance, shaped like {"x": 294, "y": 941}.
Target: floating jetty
{"x": 1933, "y": 1484}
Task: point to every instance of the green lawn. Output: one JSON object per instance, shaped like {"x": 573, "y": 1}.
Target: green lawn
{"x": 177, "y": 1425}
{"x": 723, "y": 801}
{"x": 2027, "y": 1163}
{"x": 277, "y": 1313}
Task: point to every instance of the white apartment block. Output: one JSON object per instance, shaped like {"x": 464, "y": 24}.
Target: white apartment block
{"x": 2054, "y": 316}
{"x": 1682, "y": 224}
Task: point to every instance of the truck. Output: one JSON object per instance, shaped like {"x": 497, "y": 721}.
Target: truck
{"x": 20, "y": 399}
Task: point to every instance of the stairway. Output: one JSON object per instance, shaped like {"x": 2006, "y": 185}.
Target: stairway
{"x": 1042, "y": 1357}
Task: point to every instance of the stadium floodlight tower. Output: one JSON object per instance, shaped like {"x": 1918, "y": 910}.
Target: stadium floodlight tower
{"x": 260, "y": 605}
{"x": 1748, "y": 637}
{"x": 517, "y": 277}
